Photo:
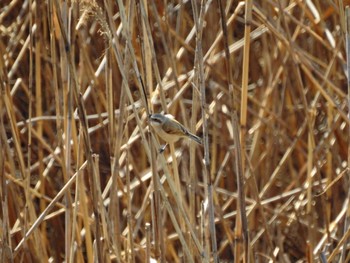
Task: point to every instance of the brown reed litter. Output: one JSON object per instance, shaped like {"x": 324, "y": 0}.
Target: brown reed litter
{"x": 262, "y": 82}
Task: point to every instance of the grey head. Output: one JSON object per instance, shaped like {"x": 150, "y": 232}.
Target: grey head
{"x": 156, "y": 118}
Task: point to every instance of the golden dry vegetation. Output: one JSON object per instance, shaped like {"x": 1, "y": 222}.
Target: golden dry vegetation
{"x": 262, "y": 82}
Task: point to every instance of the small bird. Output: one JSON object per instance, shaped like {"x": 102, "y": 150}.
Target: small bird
{"x": 169, "y": 129}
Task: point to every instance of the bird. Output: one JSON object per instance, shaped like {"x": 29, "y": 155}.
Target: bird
{"x": 169, "y": 129}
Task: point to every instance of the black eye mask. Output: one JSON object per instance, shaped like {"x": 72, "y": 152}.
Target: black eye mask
{"x": 156, "y": 120}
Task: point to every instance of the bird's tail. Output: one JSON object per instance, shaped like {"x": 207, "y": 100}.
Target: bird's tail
{"x": 195, "y": 138}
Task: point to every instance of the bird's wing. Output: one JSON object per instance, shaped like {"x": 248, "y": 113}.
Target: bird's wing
{"x": 169, "y": 129}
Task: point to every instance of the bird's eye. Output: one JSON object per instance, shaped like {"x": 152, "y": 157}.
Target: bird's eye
{"x": 156, "y": 120}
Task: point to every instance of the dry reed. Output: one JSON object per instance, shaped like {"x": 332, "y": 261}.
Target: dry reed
{"x": 82, "y": 179}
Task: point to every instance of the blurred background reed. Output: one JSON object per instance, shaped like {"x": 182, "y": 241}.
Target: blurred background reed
{"x": 262, "y": 82}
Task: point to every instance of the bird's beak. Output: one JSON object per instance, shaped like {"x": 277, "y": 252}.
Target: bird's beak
{"x": 150, "y": 117}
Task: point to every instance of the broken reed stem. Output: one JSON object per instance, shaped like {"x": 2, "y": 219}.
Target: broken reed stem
{"x": 241, "y": 211}
{"x": 27, "y": 207}
{"x": 48, "y": 208}
{"x": 151, "y": 51}
{"x": 227, "y": 52}
{"x": 310, "y": 164}
{"x": 199, "y": 20}
{"x": 230, "y": 85}
{"x": 145, "y": 48}
{"x": 193, "y": 173}
{"x": 243, "y": 121}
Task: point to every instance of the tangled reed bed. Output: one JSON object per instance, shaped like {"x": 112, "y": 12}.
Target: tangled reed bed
{"x": 262, "y": 82}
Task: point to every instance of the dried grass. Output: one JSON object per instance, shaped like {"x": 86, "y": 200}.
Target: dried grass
{"x": 81, "y": 176}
